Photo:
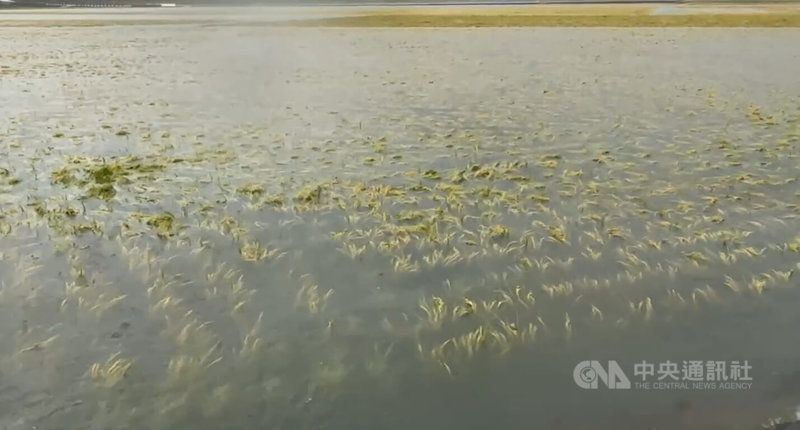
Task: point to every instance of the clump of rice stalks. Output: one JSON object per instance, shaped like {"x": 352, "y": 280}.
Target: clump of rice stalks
{"x": 435, "y": 311}
{"x": 794, "y": 245}
{"x": 101, "y": 176}
{"x": 567, "y": 326}
{"x": 465, "y": 310}
{"x": 561, "y": 289}
{"x": 413, "y": 216}
{"x": 615, "y": 232}
{"x": 706, "y": 294}
{"x": 164, "y": 223}
{"x": 380, "y": 146}
{"x": 63, "y": 176}
{"x": 276, "y": 200}
{"x": 523, "y": 299}
{"x": 549, "y": 163}
{"x": 39, "y": 346}
{"x": 87, "y": 227}
{"x": 644, "y": 308}
{"x": 597, "y": 315}
{"x": 183, "y": 370}
{"x": 228, "y": 225}
{"x": 756, "y": 116}
{"x": 39, "y": 208}
{"x": 111, "y": 373}
{"x": 251, "y": 346}
{"x": 717, "y": 219}
{"x": 558, "y": 233}
{"x": 309, "y": 194}
{"x": 103, "y": 192}
{"x": 431, "y": 174}
{"x": 511, "y": 334}
{"x": 758, "y": 285}
{"x": 472, "y": 342}
{"x": 696, "y": 257}
{"x": 732, "y": 284}
{"x": 405, "y": 264}
{"x": 438, "y": 257}
{"x": 419, "y": 188}
{"x": 517, "y": 178}
{"x": 388, "y": 191}
{"x": 499, "y": 231}
{"x": 428, "y": 229}
{"x": 487, "y": 172}
{"x": 603, "y": 158}
{"x": 70, "y": 212}
{"x": 309, "y": 297}
{"x": 458, "y": 176}
{"x": 251, "y": 190}
{"x": 254, "y": 251}
{"x": 106, "y": 173}
{"x": 539, "y": 198}
{"x": 354, "y": 251}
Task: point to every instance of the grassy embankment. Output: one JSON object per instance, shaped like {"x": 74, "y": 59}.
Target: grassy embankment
{"x": 571, "y": 16}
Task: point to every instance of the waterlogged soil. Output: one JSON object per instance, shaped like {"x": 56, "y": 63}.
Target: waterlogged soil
{"x": 238, "y": 227}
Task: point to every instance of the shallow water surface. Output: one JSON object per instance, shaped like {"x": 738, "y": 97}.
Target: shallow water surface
{"x": 233, "y": 226}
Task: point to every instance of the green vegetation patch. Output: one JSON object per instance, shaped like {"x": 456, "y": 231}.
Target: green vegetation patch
{"x": 163, "y": 223}
{"x": 99, "y": 177}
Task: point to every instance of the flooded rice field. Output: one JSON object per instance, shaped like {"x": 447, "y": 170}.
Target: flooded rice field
{"x": 207, "y": 227}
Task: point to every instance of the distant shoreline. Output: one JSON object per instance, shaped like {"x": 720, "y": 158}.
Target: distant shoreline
{"x": 24, "y": 4}
{"x": 27, "y": 4}
{"x": 34, "y": 6}
{"x": 660, "y": 14}
{"x": 464, "y": 14}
